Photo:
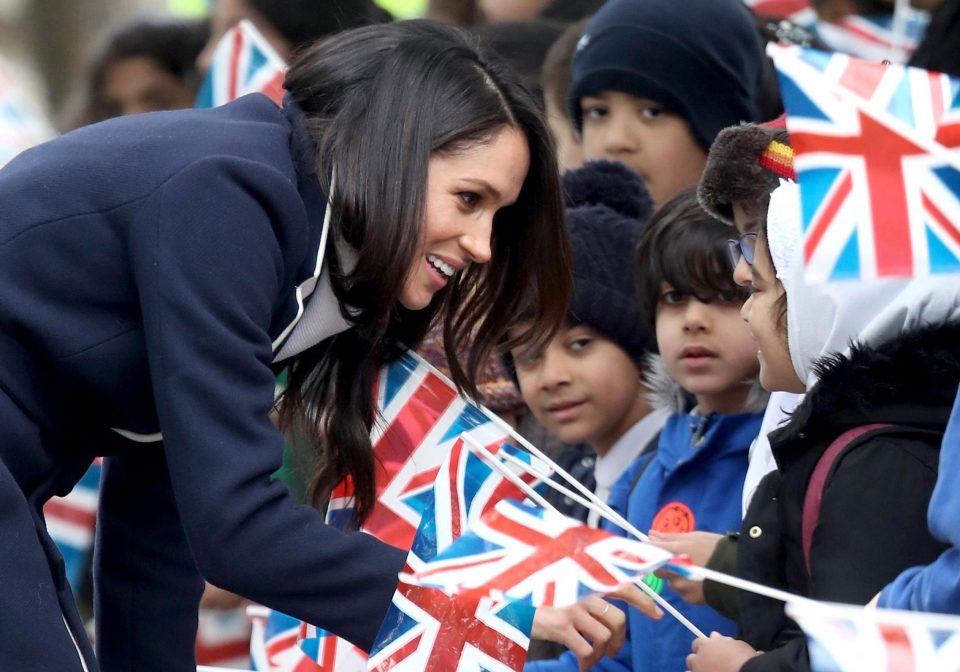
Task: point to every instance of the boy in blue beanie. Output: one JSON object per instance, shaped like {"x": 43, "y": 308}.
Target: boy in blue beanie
{"x": 654, "y": 81}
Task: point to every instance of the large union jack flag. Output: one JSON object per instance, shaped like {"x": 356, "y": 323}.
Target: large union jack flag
{"x": 416, "y": 438}
{"x": 845, "y": 638}
{"x": 877, "y": 155}
{"x": 244, "y": 62}
{"x": 543, "y": 558}
{"x": 427, "y": 630}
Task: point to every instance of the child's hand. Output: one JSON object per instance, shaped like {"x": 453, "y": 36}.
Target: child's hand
{"x": 698, "y": 545}
{"x": 719, "y": 654}
{"x": 591, "y": 629}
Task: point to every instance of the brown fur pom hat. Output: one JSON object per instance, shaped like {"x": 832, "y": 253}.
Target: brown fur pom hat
{"x": 745, "y": 165}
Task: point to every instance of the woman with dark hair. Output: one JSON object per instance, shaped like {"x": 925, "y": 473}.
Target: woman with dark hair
{"x": 158, "y": 271}
{"x": 146, "y": 65}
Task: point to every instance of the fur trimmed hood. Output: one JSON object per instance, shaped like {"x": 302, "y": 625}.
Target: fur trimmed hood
{"x": 666, "y": 393}
{"x": 909, "y": 380}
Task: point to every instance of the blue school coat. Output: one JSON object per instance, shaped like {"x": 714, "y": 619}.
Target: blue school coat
{"x": 149, "y": 269}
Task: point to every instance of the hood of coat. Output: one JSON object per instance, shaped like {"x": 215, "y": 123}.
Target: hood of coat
{"x": 911, "y": 380}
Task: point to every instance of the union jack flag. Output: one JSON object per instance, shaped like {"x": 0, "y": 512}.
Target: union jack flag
{"x": 273, "y": 645}
{"x": 427, "y": 630}
{"x": 876, "y": 155}
{"x": 542, "y": 558}
{"x": 420, "y": 418}
{"x": 799, "y": 12}
{"x": 72, "y": 520}
{"x": 844, "y": 638}
{"x": 875, "y": 36}
{"x": 243, "y": 63}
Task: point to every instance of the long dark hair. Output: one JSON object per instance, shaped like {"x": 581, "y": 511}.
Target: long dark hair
{"x": 380, "y": 101}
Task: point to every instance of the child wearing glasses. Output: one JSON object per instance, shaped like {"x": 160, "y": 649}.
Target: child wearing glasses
{"x": 858, "y": 458}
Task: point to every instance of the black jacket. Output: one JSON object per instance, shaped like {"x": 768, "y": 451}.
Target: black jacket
{"x": 872, "y": 522}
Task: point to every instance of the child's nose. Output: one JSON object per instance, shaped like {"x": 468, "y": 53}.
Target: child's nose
{"x": 696, "y": 317}
{"x": 619, "y": 138}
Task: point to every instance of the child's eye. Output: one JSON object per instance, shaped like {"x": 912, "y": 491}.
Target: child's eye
{"x": 580, "y": 343}
{"x": 671, "y": 297}
{"x": 593, "y": 112}
{"x": 651, "y": 112}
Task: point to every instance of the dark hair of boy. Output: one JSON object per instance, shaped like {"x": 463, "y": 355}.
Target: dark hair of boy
{"x": 557, "y": 71}
{"x": 523, "y": 45}
{"x": 686, "y": 247}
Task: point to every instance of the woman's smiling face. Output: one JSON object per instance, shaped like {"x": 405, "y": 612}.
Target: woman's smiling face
{"x": 464, "y": 192}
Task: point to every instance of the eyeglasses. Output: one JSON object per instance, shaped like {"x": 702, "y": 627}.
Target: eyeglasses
{"x": 745, "y": 246}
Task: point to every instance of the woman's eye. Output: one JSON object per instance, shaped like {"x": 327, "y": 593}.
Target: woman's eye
{"x": 469, "y": 199}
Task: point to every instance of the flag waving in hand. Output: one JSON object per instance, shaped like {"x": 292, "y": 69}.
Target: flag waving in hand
{"x": 877, "y": 155}
{"x": 527, "y": 554}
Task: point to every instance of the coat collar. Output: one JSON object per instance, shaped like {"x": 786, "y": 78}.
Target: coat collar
{"x": 318, "y": 212}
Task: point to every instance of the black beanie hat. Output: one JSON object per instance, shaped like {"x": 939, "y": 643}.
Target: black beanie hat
{"x": 701, "y": 59}
{"x": 607, "y": 209}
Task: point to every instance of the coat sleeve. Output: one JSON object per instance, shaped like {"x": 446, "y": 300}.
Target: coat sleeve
{"x": 208, "y": 268}
{"x": 873, "y": 519}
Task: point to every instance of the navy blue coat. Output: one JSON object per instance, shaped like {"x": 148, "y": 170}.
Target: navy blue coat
{"x": 149, "y": 268}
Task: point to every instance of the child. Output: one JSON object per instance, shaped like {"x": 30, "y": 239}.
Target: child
{"x": 585, "y": 385}
{"x": 693, "y": 480}
{"x": 654, "y": 81}
{"x": 902, "y": 371}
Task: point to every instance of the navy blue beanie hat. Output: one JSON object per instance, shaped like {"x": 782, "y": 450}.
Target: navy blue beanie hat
{"x": 607, "y": 209}
{"x": 701, "y": 59}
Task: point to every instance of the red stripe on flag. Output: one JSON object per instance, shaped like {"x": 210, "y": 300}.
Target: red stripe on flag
{"x": 57, "y": 508}
{"x": 274, "y": 89}
{"x": 234, "y": 86}
{"x": 862, "y": 77}
{"x": 950, "y": 228}
{"x": 825, "y": 217}
{"x": 401, "y": 654}
{"x": 900, "y": 657}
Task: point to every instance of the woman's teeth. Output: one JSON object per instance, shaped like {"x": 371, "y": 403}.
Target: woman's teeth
{"x": 445, "y": 269}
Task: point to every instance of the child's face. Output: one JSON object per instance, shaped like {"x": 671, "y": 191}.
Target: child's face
{"x": 707, "y": 349}
{"x": 582, "y": 387}
{"x": 643, "y": 135}
{"x": 761, "y": 313}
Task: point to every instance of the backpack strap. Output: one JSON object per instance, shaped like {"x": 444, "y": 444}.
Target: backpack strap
{"x": 814, "y": 494}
